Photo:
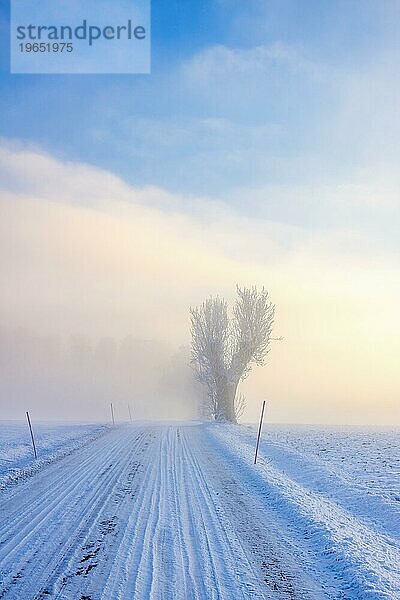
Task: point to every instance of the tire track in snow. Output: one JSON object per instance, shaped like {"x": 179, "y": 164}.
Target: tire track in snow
{"x": 101, "y": 543}
{"x": 58, "y": 516}
{"x": 144, "y": 513}
{"x": 38, "y": 518}
{"x": 229, "y": 561}
{"x": 24, "y": 505}
{"x": 25, "y": 522}
{"x": 175, "y": 545}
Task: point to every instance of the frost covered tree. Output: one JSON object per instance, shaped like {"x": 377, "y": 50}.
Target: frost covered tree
{"x": 225, "y": 347}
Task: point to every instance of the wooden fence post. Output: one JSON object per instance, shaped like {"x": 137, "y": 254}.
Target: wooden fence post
{"x": 32, "y": 437}
{"x": 259, "y": 431}
{"x": 112, "y": 413}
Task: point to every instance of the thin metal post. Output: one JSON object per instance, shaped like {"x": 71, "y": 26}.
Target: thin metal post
{"x": 259, "y": 431}
{"x": 130, "y": 414}
{"x": 112, "y": 413}
{"x": 32, "y": 437}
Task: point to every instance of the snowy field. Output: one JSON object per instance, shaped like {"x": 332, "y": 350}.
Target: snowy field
{"x": 338, "y": 493}
{"x": 366, "y": 458}
{"x": 156, "y": 512}
{"x": 52, "y": 442}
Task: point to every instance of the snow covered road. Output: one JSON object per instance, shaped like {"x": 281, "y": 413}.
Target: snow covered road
{"x": 129, "y": 516}
{"x": 178, "y": 512}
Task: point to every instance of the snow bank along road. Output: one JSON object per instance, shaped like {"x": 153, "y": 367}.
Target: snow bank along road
{"x": 165, "y": 512}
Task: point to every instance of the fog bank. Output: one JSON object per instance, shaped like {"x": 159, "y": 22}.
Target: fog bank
{"x": 98, "y": 276}
{"x": 77, "y": 378}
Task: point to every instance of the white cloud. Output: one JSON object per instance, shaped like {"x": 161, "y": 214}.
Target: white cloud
{"x": 218, "y": 61}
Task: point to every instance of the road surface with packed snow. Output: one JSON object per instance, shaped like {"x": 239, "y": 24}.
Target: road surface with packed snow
{"x": 180, "y": 512}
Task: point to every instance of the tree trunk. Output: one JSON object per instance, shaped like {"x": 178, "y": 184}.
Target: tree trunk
{"x": 226, "y": 403}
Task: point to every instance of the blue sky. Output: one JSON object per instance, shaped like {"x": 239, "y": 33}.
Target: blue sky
{"x": 283, "y": 109}
{"x": 241, "y": 95}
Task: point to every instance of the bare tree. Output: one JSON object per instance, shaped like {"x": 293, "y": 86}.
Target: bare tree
{"x": 225, "y": 349}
